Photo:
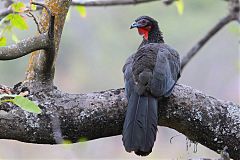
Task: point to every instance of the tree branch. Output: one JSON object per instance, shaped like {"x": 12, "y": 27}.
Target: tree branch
{"x": 24, "y": 47}
{"x": 204, "y": 119}
{"x": 234, "y": 10}
{"x": 92, "y": 3}
{"x": 43, "y": 41}
{"x": 105, "y": 3}
{"x": 8, "y": 9}
{"x": 5, "y": 12}
{"x": 194, "y": 50}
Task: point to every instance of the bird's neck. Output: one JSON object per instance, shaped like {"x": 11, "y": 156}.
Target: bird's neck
{"x": 154, "y": 36}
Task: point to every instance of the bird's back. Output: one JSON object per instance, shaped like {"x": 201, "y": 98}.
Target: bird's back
{"x": 155, "y": 68}
{"x": 145, "y": 59}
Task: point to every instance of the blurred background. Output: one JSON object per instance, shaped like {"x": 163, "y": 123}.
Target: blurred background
{"x": 93, "y": 50}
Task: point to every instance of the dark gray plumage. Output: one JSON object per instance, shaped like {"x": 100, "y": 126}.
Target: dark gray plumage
{"x": 150, "y": 73}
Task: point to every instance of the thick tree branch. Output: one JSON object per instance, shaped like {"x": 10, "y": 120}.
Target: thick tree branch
{"x": 204, "y": 119}
{"x": 24, "y": 47}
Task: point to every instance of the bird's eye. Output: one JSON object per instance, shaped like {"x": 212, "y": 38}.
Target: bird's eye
{"x": 144, "y": 21}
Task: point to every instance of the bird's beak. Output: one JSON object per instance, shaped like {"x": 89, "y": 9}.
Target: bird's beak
{"x": 134, "y": 25}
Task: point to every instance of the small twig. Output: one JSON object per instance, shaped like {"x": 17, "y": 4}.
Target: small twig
{"x": 51, "y": 20}
{"x": 174, "y": 137}
{"x": 105, "y": 3}
{"x": 30, "y": 14}
{"x": 6, "y": 11}
{"x": 92, "y": 3}
{"x": 193, "y": 51}
{"x": 102, "y": 3}
{"x": 42, "y": 5}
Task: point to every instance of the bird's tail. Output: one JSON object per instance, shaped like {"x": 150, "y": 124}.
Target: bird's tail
{"x": 140, "y": 125}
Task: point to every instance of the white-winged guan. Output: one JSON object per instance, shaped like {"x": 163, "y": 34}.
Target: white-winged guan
{"x": 149, "y": 74}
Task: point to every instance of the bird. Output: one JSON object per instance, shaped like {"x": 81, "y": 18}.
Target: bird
{"x": 149, "y": 74}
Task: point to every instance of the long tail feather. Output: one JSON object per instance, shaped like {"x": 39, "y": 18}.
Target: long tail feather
{"x": 140, "y": 125}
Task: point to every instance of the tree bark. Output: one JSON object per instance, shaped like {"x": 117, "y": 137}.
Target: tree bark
{"x": 204, "y": 119}
{"x": 42, "y": 63}
{"x": 24, "y": 47}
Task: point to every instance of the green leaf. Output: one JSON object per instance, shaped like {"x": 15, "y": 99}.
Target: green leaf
{"x": 66, "y": 141}
{"x": 33, "y": 7}
{"x": 26, "y": 104}
{"x": 3, "y": 41}
{"x": 180, "y": 6}
{"x": 22, "y": 102}
{"x": 8, "y": 28}
{"x": 17, "y": 21}
{"x": 15, "y": 38}
{"x": 18, "y": 7}
{"x": 82, "y": 139}
{"x": 82, "y": 10}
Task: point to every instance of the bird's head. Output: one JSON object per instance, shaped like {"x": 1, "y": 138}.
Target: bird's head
{"x": 144, "y": 24}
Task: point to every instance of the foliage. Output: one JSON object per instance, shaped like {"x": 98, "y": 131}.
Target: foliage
{"x": 3, "y": 41}
{"x": 22, "y": 102}
{"x": 13, "y": 20}
{"x": 18, "y": 7}
{"x": 17, "y": 20}
{"x": 82, "y": 139}
{"x": 82, "y": 10}
{"x": 180, "y": 6}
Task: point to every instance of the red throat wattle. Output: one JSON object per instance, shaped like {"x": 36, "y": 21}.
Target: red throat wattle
{"x": 144, "y": 31}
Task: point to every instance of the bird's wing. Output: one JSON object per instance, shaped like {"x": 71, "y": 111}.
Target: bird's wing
{"x": 128, "y": 77}
{"x": 165, "y": 72}
{"x": 175, "y": 64}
